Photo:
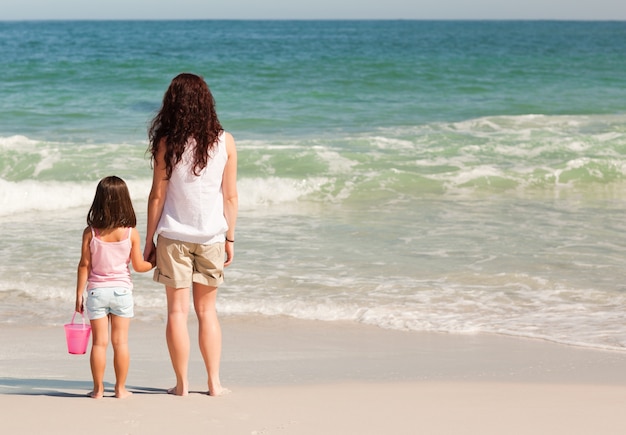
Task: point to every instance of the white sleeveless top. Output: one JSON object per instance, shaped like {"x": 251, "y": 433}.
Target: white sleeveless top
{"x": 194, "y": 205}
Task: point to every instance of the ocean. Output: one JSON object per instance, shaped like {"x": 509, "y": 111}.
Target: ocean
{"x": 462, "y": 177}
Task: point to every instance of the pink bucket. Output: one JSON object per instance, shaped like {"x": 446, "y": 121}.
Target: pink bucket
{"x": 77, "y": 336}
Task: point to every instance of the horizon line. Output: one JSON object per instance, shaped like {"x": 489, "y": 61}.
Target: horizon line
{"x": 314, "y": 19}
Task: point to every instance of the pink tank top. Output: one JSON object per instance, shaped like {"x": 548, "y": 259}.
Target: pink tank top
{"x": 109, "y": 262}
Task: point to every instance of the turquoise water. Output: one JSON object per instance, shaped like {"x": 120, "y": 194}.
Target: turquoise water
{"x": 444, "y": 176}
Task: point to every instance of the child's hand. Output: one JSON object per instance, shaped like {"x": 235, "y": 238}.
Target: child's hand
{"x": 79, "y": 305}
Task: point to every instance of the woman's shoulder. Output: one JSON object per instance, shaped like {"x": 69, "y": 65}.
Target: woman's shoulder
{"x": 229, "y": 140}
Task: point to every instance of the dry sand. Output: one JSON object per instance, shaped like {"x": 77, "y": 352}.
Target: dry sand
{"x": 307, "y": 377}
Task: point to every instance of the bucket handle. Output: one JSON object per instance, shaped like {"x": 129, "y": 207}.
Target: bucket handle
{"x": 82, "y": 315}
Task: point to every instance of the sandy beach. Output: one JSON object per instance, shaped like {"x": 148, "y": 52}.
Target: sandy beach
{"x": 304, "y": 377}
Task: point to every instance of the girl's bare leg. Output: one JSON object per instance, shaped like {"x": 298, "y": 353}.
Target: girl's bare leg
{"x": 177, "y": 336}
{"x": 98, "y": 357}
{"x": 209, "y": 335}
{"x": 121, "y": 357}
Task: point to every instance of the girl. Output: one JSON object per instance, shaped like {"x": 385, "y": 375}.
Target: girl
{"x": 110, "y": 242}
{"x": 192, "y": 209}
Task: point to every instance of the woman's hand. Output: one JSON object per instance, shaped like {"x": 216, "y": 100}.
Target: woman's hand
{"x": 229, "y": 247}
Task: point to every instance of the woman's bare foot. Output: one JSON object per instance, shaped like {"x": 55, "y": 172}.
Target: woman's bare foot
{"x": 123, "y": 393}
{"x": 215, "y": 392}
{"x": 96, "y": 394}
{"x": 178, "y": 392}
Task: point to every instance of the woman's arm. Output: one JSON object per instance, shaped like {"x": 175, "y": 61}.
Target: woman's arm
{"x": 156, "y": 200}
{"x": 231, "y": 200}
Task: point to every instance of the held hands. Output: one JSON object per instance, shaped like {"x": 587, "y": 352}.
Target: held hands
{"x": 149, "y": 254}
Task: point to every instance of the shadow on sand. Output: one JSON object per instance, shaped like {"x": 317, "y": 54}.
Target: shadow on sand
{"x": 62, "y": 388}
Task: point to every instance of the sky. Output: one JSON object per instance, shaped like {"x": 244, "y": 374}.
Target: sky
{"x": 313, "y": 9}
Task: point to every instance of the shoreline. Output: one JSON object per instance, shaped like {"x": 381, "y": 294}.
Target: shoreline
{"x": 304, "y": 377}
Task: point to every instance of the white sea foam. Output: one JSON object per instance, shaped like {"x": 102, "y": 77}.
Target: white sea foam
{"x": 24, "y": 196}
{"x": 335, "y": 161}
{"x": 254, "y": 192}
{"x": 17, "y": 143}
{"x": 32, "y": 196}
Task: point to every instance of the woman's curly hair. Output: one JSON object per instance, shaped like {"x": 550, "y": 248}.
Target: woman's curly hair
{"x": 187, "y": 112}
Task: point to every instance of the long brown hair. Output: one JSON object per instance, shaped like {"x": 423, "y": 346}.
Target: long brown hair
{"x": 112, "y": 206}
{"x": 187, "y": 112}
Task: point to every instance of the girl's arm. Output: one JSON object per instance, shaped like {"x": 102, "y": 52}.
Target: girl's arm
{"x": 83, "y": 269}
{"x": 156, "y": 200}
{"x": 139, "y": 264}
{"x": 231, "y": 200}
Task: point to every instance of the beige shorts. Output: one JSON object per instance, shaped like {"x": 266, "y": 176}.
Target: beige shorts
{"x": 181, "y": 263}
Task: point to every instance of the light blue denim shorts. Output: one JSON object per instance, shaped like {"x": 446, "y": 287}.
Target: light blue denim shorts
{"x": 103, "y": 301}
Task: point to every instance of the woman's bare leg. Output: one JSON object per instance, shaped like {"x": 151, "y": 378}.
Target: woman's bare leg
{"x": 98, "y": 357}
{"x": 177, "y": 336}
{"x": 209, "y": 334}
{"x": 121, "y": 357}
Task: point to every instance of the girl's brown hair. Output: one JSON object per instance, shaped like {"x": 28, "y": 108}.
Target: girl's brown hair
{"x": 187, "y": 112}
{"x": 112, "y": 206}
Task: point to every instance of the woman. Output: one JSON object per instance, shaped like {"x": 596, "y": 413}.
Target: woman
{"x": 192, "y": 209}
